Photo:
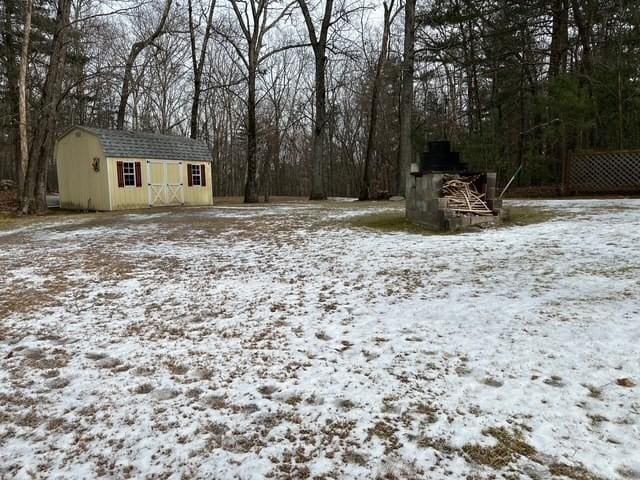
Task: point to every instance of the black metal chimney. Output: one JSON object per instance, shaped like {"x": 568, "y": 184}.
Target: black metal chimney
{"x": 438, "y": 157}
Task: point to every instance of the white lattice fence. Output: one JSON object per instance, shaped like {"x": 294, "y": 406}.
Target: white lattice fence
{"x": 616, "y": 171}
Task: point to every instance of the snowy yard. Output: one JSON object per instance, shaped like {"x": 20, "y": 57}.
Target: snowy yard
{"x": 282, "y": 341}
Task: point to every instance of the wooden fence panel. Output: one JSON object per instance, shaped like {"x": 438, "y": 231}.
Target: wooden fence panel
{"x": 603, "y": 172}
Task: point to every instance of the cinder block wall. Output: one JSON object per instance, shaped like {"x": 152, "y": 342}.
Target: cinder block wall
{"x": 425, "y": 206}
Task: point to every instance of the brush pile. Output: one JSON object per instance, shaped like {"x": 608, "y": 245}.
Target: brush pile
{"x": 464, "y": 197}
{"x": 8, "y": 197}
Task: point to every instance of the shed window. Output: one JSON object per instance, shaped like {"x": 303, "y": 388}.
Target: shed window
{"x": 196, "y": 175}
{"x": 129, "y": 171}
{"x": 129, "y": 174}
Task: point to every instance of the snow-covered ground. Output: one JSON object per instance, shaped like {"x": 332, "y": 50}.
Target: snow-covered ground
{"x": 283, "y": 342}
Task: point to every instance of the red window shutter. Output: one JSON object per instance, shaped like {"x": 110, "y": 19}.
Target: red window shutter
{"x": 120, "y": 169}
{"x": 189, "y": 178}
{"x": 203, "y": 175}
{"x": 138, "y": 175}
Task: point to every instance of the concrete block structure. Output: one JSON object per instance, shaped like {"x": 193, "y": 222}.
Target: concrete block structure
{"x": 428, "y": 207}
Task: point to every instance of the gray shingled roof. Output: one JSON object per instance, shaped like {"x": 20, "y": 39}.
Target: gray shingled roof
{"x": 123, "y": 144}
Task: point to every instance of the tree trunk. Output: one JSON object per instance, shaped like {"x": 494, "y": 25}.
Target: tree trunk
{"x": 406, "y": 103}
{"x": 198, "y": 64}
{"x": 195, "y": 107}
{"x": 34, "y": 196}
{"x": 136, "y": 48}
{"x": 373, "y": 108}
{"x": 319, "y": 45}
{"x": 23, "y": 130}
{"x": 584, "y": 24}
{"x": 559, "y": 38}
{"x": 521, "y": 102}
{"x": 317, "y": 155}
{"x": 251, "y": 187}
{"x": 468, "y": 60}
{"x": 12, "y": 74}
{"x": 125, "y": 91}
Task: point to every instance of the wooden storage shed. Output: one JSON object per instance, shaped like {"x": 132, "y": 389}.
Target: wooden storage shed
{"x": 100, "y": 169}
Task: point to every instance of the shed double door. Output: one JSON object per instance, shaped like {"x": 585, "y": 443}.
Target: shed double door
{"x": 166, "y": 185}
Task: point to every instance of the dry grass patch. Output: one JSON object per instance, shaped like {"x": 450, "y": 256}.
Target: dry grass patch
{"x": 176, "y": 368}
{"x": 217, "y": 402}
{"x": 58, "y": 358}
{"x": 525, "y": 216}
{"x": 492, "y": 382}
{"x": 626, "y": 472}
{"x": 597, "y": 419}
{"x": 356, "y": 458}
{"x": 438, "y": 444}
{"x": 625, "y": 382}
{"x": 389, "y": 222}
{"x": 508, "y": 448}
{"x": 293, "y": 400}
{"x": 323, "y": 336}
{"x": 594, "y": 392}
{"x": 338, "y": 428}
{"x": 346, "y": 404}
{"x": 21, "y": 299}
{"x": 143, "y": 388}
{"x": 29, "y": 419}
{"x": 194, "y": 392}
{"x": 576, "y": 472}
{"x": 396, "y": 221}
{"x": 387, "y": 433}
{"x": 59, "y": 423}
{"x": 239, "y": 442}
{"x": 106, "y": 267}
{"x": 293, "y": 464}
{"x": 267, "y": 390}
{"x": 429, "y": 411}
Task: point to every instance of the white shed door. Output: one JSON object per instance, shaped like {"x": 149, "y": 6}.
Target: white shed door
{"x": 166, "y": 186}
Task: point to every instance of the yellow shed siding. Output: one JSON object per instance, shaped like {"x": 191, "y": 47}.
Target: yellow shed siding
{"x": 123, "y": 198}
{"x": 162, "y": 182}
{"x": 157, "y": 172}
{"x": 197, "y": 195}
{"x": 80, "y": 186}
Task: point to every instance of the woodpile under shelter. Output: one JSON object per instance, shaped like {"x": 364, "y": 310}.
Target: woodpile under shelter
{"x": 442, "y": 194}
{"x": 101, "y": 169}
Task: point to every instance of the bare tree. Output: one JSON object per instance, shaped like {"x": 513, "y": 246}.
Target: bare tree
{"x": 319, "y": 45}
{"x": 136, "y": 48}
{"x": 281, "y": 84}
{"x": 406, "y": 95}
{"x": 559, "y": 37}
{"x": 34, "y": 192}
{"x": 255, "y": 22}
{"x": 375, "y": 91}
{"x": 224, "y": 114}
{"x": 23, "y": 130}
{"x": 163, "y": 86}
{"x": 197, "y": 60}
{"x": 9, "y": 48}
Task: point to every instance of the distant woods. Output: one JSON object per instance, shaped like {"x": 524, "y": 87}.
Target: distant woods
{"x": 530, "y": 81}
{"x": 321, "y": 98}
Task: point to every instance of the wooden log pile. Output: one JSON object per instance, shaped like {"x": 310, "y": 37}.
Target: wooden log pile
{"x": 464, "y": 197}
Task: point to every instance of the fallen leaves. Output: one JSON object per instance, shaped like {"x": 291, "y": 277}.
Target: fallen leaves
{"x": 625, "y": 382}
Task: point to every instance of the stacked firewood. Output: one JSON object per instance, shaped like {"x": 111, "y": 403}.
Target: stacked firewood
{"x": 464, "y": 196}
